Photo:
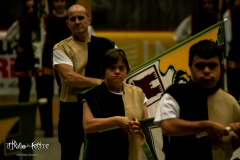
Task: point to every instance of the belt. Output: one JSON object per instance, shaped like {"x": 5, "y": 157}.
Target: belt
{"x": 47, "y": 71}
{"x": 22, "y": 73}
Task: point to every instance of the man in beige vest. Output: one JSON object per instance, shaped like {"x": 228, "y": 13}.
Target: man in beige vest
{"x": 77, "y": 66}
{"x": 186, "y": 110}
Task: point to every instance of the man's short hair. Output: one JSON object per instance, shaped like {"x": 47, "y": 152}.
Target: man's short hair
{"x": 86, "y": 12}
{"x": 111, "y": 57}
{"x": 214, "y": 8}
{"x": 56, "y": 0}
{"x": 205, "y": 49}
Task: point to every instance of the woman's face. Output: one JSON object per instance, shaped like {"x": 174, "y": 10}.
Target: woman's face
{"x": 207, "y": 6}
{"x": 59, "y": 6}
{"x": 116, "y": 73}
{"x": 30, "y": 7}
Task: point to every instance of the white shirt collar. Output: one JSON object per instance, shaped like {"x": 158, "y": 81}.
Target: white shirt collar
{"x": 59, "y": 15}
{"x": 120, "y": 93}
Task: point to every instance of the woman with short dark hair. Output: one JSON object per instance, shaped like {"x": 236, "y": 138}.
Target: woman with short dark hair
{"x": 113, "y": 104}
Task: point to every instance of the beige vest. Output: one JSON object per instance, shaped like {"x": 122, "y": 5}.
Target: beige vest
{"x": 78, "y": 54}
{"x": 224, "y": 109}
{"x": 133, "y": 104}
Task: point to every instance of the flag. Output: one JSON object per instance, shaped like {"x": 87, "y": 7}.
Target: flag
{"x": 170, "y": 67}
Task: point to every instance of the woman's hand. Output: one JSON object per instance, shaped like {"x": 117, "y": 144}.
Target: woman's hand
{"x": 125, "y": 124}
{"x": 136, "y": 127}
{"x": 236, "y": 135}
{"x": 20, "y": 49}
{"x": 38, "y": 72}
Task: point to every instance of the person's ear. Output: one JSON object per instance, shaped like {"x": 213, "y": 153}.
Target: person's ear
{"x": 67, "y": 23}
{"x": 90, "y": 20}
{"x": 190, "y": 67}
{"x": 130, "y": 68}
{"x": 223, "y": 67}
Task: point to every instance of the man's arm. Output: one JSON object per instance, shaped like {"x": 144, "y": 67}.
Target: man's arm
{"x": 167, "y": 117}
{"x": 74, "y": 79}
{"x": 180, "y": 127}
{"x": 145, "y": 111}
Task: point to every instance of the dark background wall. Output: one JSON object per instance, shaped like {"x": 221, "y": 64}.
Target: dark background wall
{"x": 11, "y": 10}
{"x": 141, "y": 14}
{"x": 119, "y": 14}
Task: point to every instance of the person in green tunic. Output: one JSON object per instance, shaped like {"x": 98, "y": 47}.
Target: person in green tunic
{"x": 113, "y": 104}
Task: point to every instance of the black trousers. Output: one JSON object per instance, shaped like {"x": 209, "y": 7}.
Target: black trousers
{"x": 44, "y": 89}
{"x": 24, "y": 85}
{"x": 70, "y": 150}
{"x": 233, "y": 80}
{"x": 70, "y": 130}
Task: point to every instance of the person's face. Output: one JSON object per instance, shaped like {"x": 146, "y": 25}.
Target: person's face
{"x": 78, "y": 21}
{"x": 237, "y": 2}
{"x": 207, "y": 6}
{"x": 205, "y": 72}
{"x": 116, "y": 73}
{"x": 59, "y": 6}
{"x": 30, "y": 7}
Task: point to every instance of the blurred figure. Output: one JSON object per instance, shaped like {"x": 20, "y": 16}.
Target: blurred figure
{"x": 56, "y": 30}
{"x": 21, "y": 36}
{"x": 195, "y": 23}
{"x": 91, "y": 30}
{"x": 232, "y": 35}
